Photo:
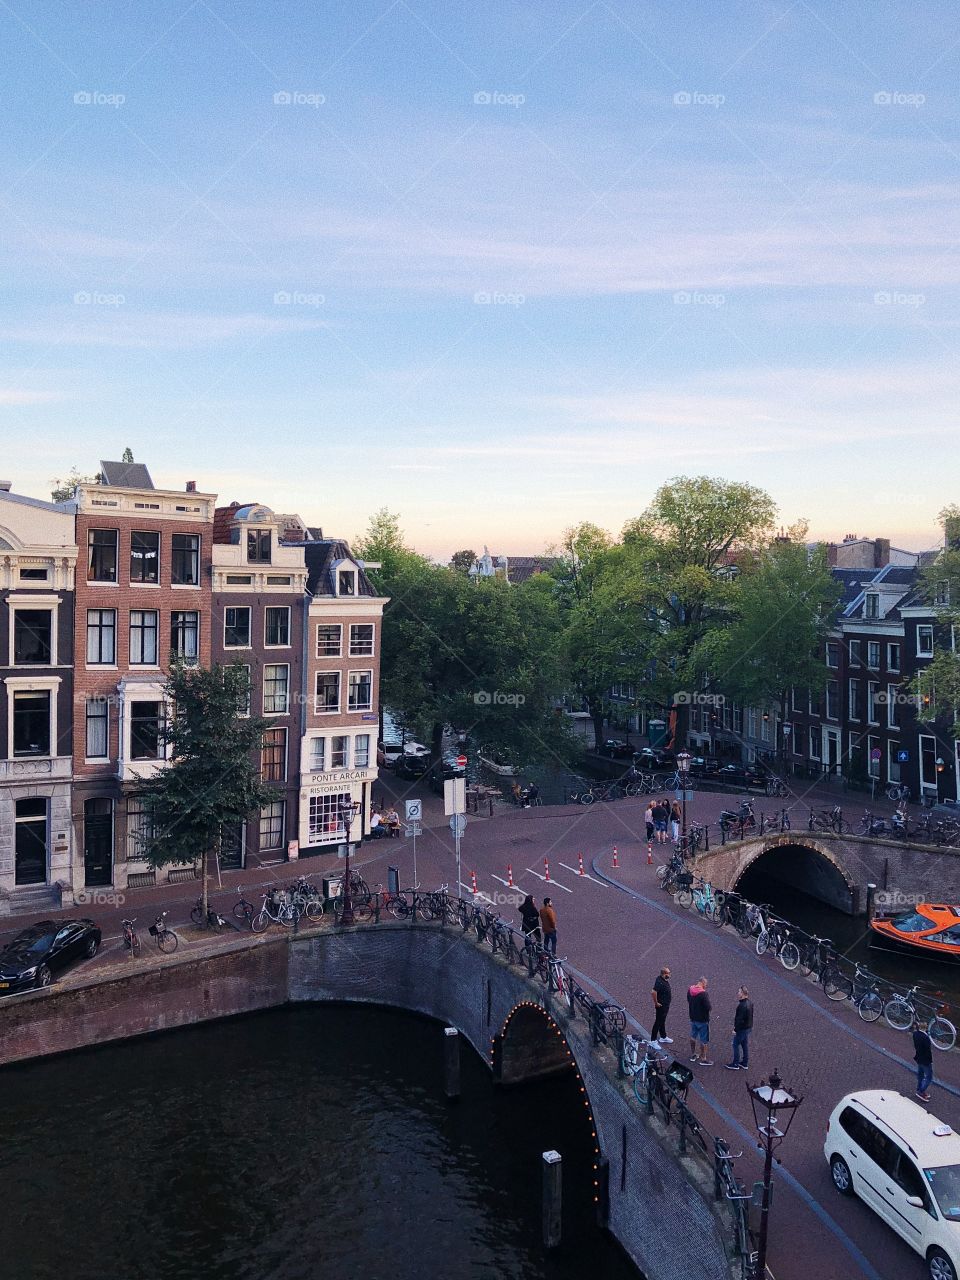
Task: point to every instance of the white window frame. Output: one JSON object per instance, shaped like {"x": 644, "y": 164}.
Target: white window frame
{"x": 360, "y": 671}
{"x": 236, "y": 608}
{"x": 287, "y": 643}
{"x": 88, "y": 662}
{"x": 893, "y": 662}
{"x": 105, "y": 702}
{"x": 275, "y": 809}
{"x": 144, "y": 613}
{"x": 871, "y": 604}
{"x": 361, "y": 762}
{"x": 355, "y": 653}
{"x": 105, "y": 582}
{"x": 32, "y": 684}
{"x": 330, "y": 626}
{"x": 874, "y": 649}
{"x": 873, "y": 689}
{"x": 189, "y": 660}
{"x": 51, "y": 603}
{"x": 345, "y": 739}
{"x": 832, "y": 708}
{"x": 815, "y": 743}
{"x": 327, "y": 711}
{"x": 315, "y": 741}
{"x": 282, "y": 728}
{"x": 244, "y": 713}
{"x": 163, "y": 747}
{"x": 285, "y": 709}
{"x": 343, "y": 573}
{"x": 893, "y": 764}
{"x": 893, "y": 693}
{"x": 853, "y": 653}
{"x": 925, "y": 628}
{"x": 832, "y": 650}
{"x": 853, "y": 698}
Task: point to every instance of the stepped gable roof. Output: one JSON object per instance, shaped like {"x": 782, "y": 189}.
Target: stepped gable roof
{"x": 321, "y": 556}
{"x": 125, "y": 475}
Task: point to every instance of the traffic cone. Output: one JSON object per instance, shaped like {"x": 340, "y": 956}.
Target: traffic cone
{"x": 546, "y": 868}
{"x": 649, "y": 854}
{"x": 616, "y": 857}
{"x": 581, "y": 871}
{"x": 473, "y": 880}
{"x": 510, "y": 884}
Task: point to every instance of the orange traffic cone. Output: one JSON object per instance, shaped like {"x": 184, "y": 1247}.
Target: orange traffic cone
{"x": 546, "y": 868}
{"x": 581, "y": 871}
{"x": 473, "y": 880}
{"x": 616, "y": 857}
{"x": 510, "y": 884}
{"x": 649, "y": 854}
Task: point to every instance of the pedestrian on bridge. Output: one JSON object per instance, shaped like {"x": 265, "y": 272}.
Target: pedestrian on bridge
{"x": 698, "y": 1003}
{"x": 661, "y": 812}
{"x": 923, "y": 1057}
{"x": 676, "y": 816}
{"x": 742, "y": 1026}
{"x": 530, "y": 918}
{"x": 648, "y": 819}
{"x": 662, "y": 995}
{"x": 548, "y": 923}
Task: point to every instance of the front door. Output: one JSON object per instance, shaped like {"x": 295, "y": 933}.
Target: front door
{"x": 832, "y": 749}
{"x": 231, "y": 847}
{"x": 30, "y": 841}
{"x": 98, "y": 841}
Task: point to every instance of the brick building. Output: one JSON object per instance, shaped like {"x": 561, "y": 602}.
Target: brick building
{"x": 38, "y": 556}
{"x": 143, "y": 594}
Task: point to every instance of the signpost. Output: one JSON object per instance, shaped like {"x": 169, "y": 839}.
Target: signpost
{"x": 454, "y": 806}
{"x": 413, "y": 814}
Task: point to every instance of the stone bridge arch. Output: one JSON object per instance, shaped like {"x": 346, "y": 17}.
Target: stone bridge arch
{"x": 825, "y": 868}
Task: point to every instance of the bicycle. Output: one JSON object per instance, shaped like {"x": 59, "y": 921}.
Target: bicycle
{"x": 775, "y": 787}
{"x": 551, "y": 973}
{"x": 167, "y": 940}
{"x": 130, "y": 939}
{"x": 586, "y": 796}
{"x": 828, "y": 820}
{"x": 678, "y": 781}
{"x": 866, "y": 994}
{"x": 306, "y": 899}
{"x": 898, "y": 791}
{"x": 645, "y": 1071}
{"x": 215, "y": 920}
{"x": 242, "y": 909}
{"x": 900, "y": 1012}
{"x": 729, "y": 909}
{"x": 774, "y": 932}
{"x": 611, "y": 1018}
{"x": 273, "y": 911}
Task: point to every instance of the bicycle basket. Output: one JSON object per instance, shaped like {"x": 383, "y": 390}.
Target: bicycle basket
{"x": 679, "y": 1076}
{"x": 685, "y": 879}
{"x": 153, "y": 931}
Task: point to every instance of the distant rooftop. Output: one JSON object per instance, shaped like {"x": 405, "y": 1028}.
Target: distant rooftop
{"x": 125, "y": 475}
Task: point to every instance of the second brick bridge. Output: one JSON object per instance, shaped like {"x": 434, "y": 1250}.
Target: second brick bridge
{"x": 837, "y": 869}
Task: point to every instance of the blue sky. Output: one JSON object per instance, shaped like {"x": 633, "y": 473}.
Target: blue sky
{"x": 500, "y": 267}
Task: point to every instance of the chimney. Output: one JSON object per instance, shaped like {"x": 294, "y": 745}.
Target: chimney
{"x": 881, "y": 552}
{"x": 850, "y": 537}
{"x": 832, "y": 554}
{"x": 191, "y": 486}
{"x": 6, "y": 486}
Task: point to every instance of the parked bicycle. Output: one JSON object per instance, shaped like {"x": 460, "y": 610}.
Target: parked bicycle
{"x": 901, "y": 1011}
{"x": 130, "y": 939}
{"x": 551, "y": 973}
{"x": 167, "y": 940}
{"x": 274, "y": 910}
{"x": 645, "y": 1068}
{"x": 898, "y": 791}
{"x": 828, "y": 820}
{"x": 775, "y": 786}
{"x": 242, "y": 909}
{"x": 214, "y": 919}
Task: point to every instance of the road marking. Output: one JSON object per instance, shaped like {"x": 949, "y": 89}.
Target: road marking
{"x": 586, "y": 876}
{"x": 478, "y": 894}
{"x": 556, "y": 884}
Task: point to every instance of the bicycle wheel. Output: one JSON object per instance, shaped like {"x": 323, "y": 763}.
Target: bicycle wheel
{"x": 763, "y": 941}
{"x": 167, "y": 941}
{"x": 806, "y": 961}
{"x": 543, "y": 968}
{"x": 840, "y": 826}
{"x": 463, "y": 915}
{"x": 242, "y": 911}
{"x": 135, "y": 943}
{"x": 314, "y": 908}
{"x": 196, "y": 915}
{"x": 744, "y": 927}
{"x": 259, "y": 922}
{"x": 362, "y": 910}
{"x": 641, "y": 1084}
{"x": 399, "y": 907}
{"x": 587, "y": 797}
{"x": 790, "y": 955}
{"x": 870, "y": 1007}
{"x": 943, "y": 1034}
{"x": 836, "y": 986}
{"x": 685, "y": 897}
{"x": 711, "y": 911}
{"x": 899, "y": 1014}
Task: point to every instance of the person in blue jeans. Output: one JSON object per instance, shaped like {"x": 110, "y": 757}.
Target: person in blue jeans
{"x": 742, "y": 1026}
{"x": 923, "y": 1057}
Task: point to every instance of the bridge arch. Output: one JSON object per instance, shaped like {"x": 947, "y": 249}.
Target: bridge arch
{"x": 818, "y": 867}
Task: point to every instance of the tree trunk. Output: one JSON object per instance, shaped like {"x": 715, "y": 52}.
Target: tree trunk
{"x": 597, "y": 718}
{"x": 203, "y": 890}
{"x": 436, "y": 742}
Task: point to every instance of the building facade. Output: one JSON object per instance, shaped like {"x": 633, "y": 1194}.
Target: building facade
{"x": 38, "y": 556}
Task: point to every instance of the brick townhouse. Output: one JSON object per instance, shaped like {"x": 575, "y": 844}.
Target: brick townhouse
{"x": 143, "y": 594}
{"x": 258, "y": 610}
{"x": 38, "y": 556}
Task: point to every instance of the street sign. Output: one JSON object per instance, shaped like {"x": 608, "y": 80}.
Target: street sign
{"x": 413, "y": 829}
{"x": 414, "y": 810}
{"x": 458, "y": 824}
{"x": 903, "y": 757}
{"x": 461, "y": 762}
{"x": 683, "y": 795}
{"x": 875, "y": 754}
{"x": 454, "y": 795}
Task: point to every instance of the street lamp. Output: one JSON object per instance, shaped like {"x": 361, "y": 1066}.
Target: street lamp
{"x": 683, "y": 768}
{"x": 940, "y": 768}
{"x": 348, "y": 811}
{"x": 769, "y": 1100}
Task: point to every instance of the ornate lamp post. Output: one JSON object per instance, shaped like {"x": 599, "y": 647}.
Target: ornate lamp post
{"x": 940, "y": 767}
{"x": 348, "y": 810}
{"x": 769, "y": 1100}
{"x": 683, "y": 768}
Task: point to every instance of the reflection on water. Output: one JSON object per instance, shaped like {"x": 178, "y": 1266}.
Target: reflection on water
{"x": 300, "y": 1142}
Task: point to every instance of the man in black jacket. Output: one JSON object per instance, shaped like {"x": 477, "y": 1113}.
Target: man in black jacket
{"x": 662, "y": 996}
{"x": 742, "y": 1026}
{"x": 923, "y": 1057}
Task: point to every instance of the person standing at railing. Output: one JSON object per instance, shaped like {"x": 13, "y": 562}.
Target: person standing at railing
{"x": 530, "y": 918}
{"x": 661, "y": 812}
{"x": 548, "y": 923}
{"x": 742, "y": 1026}
{"x": 923, "y": 1057}
{"x": 662, "y": 996}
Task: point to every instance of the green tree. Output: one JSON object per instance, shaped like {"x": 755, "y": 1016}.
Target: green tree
{"x": 127, "y": 455}
{"x": 784, "y": 606}
{"x": 212, "y": 779}
{"x": 936, "y": 687}
{"x": 62, "y": 489}
{"x": 463, "y": 561}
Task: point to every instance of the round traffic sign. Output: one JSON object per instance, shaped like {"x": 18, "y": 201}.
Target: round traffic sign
{"x": 458, "y": 824}
{"x": 461, "y": 762}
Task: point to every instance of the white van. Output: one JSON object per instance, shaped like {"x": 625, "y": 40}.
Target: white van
{"x": 905, "y": 1164}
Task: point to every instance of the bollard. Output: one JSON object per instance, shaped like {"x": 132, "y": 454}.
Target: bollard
{"x": 871, "y": 895}
{"x": 649, "y": 854}
{"x": 581, "y": 872}
{"x": 510, "y": 884}
{"x": 616, "y": 857}
{"x": 451, "y": 1062}
{"x": 473, "y": 880}
{"x": 546, "y": 870}
{"x": 552, "y": 1197}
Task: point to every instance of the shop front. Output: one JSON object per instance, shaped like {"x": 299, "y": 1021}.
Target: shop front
{"x": 321, "y": 824}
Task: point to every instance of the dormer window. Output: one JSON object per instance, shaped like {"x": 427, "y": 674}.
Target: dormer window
{"x": 871, "y": 606}
{"x": 347, "y": 582}
{"x": 258, "y": 546}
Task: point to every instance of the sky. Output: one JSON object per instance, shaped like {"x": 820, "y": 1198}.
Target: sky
{"x": 499, "y": 267}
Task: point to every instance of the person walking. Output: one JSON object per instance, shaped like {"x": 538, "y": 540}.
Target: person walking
{"x": 923, "y": 1057}
{"x": 660, "y": 814}
{"x": 648, "y": 819}
{"x": 548, "y": 923}
{"x": 662, "y": 995}
{"x": 530, "y": 918}
{"x": 675, "y": 817}
{"x": 698, "y": 1004}
{"x": 742, "y": 1026}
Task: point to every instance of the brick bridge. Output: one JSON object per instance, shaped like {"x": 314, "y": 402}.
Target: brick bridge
{"x": 836, "y": 869}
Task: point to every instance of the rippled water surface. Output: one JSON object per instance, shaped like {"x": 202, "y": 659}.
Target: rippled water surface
{"x": 301, "y": 1142}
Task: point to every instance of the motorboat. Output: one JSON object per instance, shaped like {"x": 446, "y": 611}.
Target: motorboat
{"x": 927, "y": 929}
{"x": 496, "y": 763}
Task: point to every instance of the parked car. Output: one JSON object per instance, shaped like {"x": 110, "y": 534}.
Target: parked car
{"x": 617, "y": 748}
{"x": 742, "y": 775}
{"x": 654, "y": 758}
{"x": 447, "y": 768}
{"x": 42, "y": 950}
{"x": 704, "y": 766}
{"x": 388, "y": 753}
{"x": 408, "y": 766}
{"x": 904, "y": 1164}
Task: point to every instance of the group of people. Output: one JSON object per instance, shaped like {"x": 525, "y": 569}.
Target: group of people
{"x": 659, "y": 815}
{"x": 384, "y": 824}
{"x": 539, "y": 923}
{"x": 524, "y": 797}
{"x": 699, "y": 1009}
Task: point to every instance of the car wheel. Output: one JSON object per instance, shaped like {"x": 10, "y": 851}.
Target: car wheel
{"x": 44, "y": 976}
{"x": 92, "y": 947}
{"x": 939, "y": 1265}
{"x": 840, "y": 1172}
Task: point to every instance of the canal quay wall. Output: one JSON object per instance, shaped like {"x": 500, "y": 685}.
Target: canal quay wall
{"x": 658, "y": 1204}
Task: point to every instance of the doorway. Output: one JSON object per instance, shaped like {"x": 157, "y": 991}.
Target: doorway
{"x": 98, "y": 841}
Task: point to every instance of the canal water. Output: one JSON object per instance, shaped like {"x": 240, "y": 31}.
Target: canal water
{"x": 302, "y": 1142}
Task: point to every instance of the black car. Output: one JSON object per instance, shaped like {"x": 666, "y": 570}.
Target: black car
{"x": 442, "y": 772}
{"x": 37, "y": 953}
{"x": 704, "y": 766}
{"x": 616, "y": 748}
{"x": 742, "y": 775}
{"x": 409, "y": 766}
{"x": 654, "y": 758}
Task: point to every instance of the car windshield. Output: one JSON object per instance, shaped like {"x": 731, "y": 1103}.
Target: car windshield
{"x": 945, "y": 1185}
{"x": 37, "y": 946}
{"x": 911, "y": 922}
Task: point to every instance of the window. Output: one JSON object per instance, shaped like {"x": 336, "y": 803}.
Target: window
{"x": 346, "y": 582}
{"x": 276, "y": 627}
{"x": 814, "y": 743}
{"x": 102, "y": 555}
{"x": 140, "y": 830}
{"x": 893, "y": 702}
{"x": 146, "y": 721}
{"x": 243, "y": 701}
{"x": 30, "y": 840}
{"x": 143, "y": 637}
{"x": 273, "y": 756}
{"x": 324, "y": 822}
{"x": 871, "y": 605}
{"x": 239, "y": 579}
{"x": 361, "y": 751}
{"x": 893, "y": 657}
{"x": 185, "y": 635}
{"x": 360, "y": 690}
{"x": 271, "y": 825}
{"x": 279, "y": 580}
{"x": 98, "y": 724}
{"x": 361, "y": 646}
{"x": 874, "y": 755}
{"x": 873, "y": 687}
{"x": 853, "y": 653}
{"x": 31, "y": 722}
{"x": 32, "y": 637}
{"x": 236, "y": 627}
{"x": 873, "y": 655}
{"x": 34, "y": 575}
{"x": 258, "y": 546}
{"x": 317, "y": 754}
{"x": 853, "y": 700}
{"x": 833, "y": 699}
{"x": 813, "y": 702}
{"x": 328, "y": 692}
{"x": 144, "y": 557}
{"x": 339, "y": 758}
{"x": 737, "y": 718}
{"x": 185, "y": 559}
{"x": 101, "y": 636}
{"x": 833, "y": 653}
{"x": 276, "y": 689}
{"x": 924, "y": 641}
{"x": 876, "y": 1145}
{"x": 796, "y": 700}
{"x": 328, "y": 641}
